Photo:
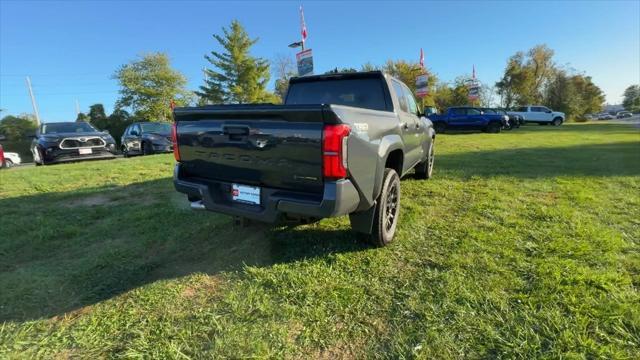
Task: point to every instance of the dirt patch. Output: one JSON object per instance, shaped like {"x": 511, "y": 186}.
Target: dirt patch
{"x": 206, "y": 285}
{"x": 93, "y": 200}
{"x": 105, "y": 200}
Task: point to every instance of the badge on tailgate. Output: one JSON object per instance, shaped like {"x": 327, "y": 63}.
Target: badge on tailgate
{"x": 245, "y": 194}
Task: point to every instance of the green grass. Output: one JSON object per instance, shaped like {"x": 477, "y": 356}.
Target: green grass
{"x": 524, "y": 245}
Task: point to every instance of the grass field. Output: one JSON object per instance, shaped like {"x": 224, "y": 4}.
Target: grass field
{"x": 526, "y": 244}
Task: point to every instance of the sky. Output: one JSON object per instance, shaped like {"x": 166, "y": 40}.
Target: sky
{"x": 71, "y": 49}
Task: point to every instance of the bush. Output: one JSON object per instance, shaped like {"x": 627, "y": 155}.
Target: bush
{"x": 22, "y": 147}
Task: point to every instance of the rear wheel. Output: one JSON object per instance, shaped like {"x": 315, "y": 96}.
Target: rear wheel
{"x": 387, "y": 210}
{"x": 494, "y": 128}
{"x": 8, "y": 163}
{"x": 425, "y": 168}
{"x": 146, "y": 148}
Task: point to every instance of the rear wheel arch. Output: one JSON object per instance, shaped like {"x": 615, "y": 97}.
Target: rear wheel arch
{"x": 393, "y": 159}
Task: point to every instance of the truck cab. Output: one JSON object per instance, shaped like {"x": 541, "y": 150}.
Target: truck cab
{"x": 539, "y": 114}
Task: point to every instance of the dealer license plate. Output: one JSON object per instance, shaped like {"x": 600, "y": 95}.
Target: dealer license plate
{"x": 85, "y": 151}
{"x": 245, "y": 194}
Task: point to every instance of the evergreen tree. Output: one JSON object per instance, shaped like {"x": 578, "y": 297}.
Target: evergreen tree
{"x": 237, "y": 76}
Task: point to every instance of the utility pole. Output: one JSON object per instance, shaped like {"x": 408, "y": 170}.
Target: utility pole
{"x": 33, "y": 101}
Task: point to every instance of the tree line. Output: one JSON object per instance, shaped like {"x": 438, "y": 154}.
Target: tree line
{"x": 148, "y": 85}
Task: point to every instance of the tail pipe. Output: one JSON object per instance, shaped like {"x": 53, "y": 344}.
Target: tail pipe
{"x": 197, "y": 205}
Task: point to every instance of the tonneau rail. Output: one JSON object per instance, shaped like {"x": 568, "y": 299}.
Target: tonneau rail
{"x": 294, "y": 113}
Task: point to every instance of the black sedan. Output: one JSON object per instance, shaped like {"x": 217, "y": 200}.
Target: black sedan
{"x": 514, "y": 121}
{"x": 146, "y": 138}
{"x": 57, "y": 142}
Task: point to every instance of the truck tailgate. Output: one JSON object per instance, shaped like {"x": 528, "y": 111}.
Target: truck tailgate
{"x": 269, "y": 146}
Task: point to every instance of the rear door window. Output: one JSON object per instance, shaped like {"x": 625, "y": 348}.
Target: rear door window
{"x": 397, "y": 87}
{"x": 413, "y": 106}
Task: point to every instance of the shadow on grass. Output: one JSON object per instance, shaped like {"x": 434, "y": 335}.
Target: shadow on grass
{"x": 603, "y": 160}
{"x": 63, "y": 251}
{"x": 588, "y": 128}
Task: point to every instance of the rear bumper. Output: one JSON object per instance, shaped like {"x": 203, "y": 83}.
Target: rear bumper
{"x": 339, "y": 198}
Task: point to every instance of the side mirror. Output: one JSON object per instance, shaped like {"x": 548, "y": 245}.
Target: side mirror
{"x": 549, "y": 111}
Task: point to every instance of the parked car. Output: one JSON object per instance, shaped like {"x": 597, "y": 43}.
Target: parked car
{"x": 540, "y": 115}
{"x": 2, "y": 160}
{"x": 57, "y": 142}
{"x": 11, "y": 159}
{"x": 468, "y": 118}
{"x": 605, "y": 116}
{"x": 146, "y": 138}
{"x": 430, "y": 110}
{"x": 513, "y": 121}
{"x": 624, "y": 114}
{"x": 337, "y": 146}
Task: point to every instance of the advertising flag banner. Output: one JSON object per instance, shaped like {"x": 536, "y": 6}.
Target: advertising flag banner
{"x": 421, "y": 85}
{"x": 303, "y": 26}
{"x": 304, "y": 59}
{"x": 473, "y": 86}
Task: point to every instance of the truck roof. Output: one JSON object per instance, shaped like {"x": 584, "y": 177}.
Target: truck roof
{"x": 344, "y": 75}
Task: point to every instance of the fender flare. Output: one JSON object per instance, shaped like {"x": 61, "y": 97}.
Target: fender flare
{"x": 388, "y": 144}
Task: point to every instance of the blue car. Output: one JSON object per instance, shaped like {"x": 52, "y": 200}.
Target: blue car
{"x": 468, "y": 118}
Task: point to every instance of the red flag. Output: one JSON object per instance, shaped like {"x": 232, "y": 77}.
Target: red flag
{"x": 421, "y": 58}
{"x": 303, "y": 25}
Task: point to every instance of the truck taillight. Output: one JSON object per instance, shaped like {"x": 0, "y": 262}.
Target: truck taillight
{"x": 334, "y": 151}
{"x": 174, "y": 140}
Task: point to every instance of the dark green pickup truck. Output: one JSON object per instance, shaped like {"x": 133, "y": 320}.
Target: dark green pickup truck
{"x": 338, "y": 146}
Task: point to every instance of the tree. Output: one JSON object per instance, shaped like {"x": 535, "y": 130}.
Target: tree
{"x": 97, "y": 116}
{"x": 96, "y": 113}
{"x": 446, "y": 96}
{"x": 341, "y": 70}
{"x": 407, "y": 72}
{"x": 83, "y": 117}
{"x": 148, "y": 85}
{"x": 237, "y": 76}
{"x": 561, "y": 94}
{"x": 18, "y": 127}
{"x": 591, "y": 96}
{"x": 631, "y": 98}
{"x": 117, "y": 123}
{"x": 369, "y": 67}
{"x": 574, "y": 94}
{"x": 284, "y": 70}
{"x": 487, "y": 93}
{"x": 540, "y": 63}
{"x": 526, "y": 77}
